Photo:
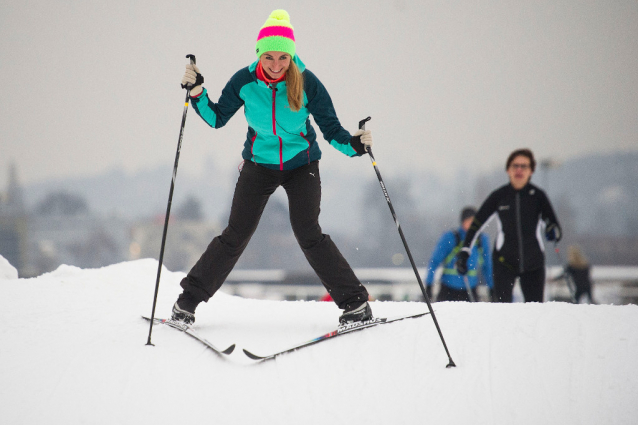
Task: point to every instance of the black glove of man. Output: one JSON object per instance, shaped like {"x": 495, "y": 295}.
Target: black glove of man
{"x": 461, "y": 262}
{"x": 428, "y": 291}
{"x": 553, "y": 233}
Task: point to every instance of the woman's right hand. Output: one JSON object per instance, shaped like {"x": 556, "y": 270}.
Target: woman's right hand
{"x": 193, "y": 79}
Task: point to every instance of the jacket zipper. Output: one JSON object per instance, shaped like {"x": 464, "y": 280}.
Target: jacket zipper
{"x": 273, "y": 87}
{"x": 519, "y": 232}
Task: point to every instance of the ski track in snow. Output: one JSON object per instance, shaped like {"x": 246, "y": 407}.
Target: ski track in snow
{"x": 74, "y": 351}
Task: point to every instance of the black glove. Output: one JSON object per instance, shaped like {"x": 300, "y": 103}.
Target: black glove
{"x": 553, "y": 233}
{"x": 428, "y": 291}
{"x": 361, "y": 140}
{"x": 192, "y": 79}
{"x": 461, "y": 262}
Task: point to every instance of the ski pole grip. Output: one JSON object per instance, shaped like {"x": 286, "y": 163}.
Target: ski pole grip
{"x": 189, "y": 86}
{"x": 362, "y": 126}
{"x": 362, "y": 123}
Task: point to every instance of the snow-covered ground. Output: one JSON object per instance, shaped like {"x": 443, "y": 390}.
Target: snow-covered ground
{"x": 73, "y": 351}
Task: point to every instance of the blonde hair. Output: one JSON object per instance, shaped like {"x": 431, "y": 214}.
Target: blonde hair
{"x": 576, "y": 258}
{"x": 294, "y": 84}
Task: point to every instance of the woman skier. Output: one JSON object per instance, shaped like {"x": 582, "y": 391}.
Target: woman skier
{"x": 278, "y": 94}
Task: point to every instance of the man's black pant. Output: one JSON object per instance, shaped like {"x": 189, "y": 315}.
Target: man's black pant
{"x": 532, "y": 283}
{"x": 450, "y": 294}
{"x": 253, "y": 189}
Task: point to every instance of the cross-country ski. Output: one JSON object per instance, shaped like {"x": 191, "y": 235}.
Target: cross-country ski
{"x": 341, "y": 330}
{"x": 189, "y": 331}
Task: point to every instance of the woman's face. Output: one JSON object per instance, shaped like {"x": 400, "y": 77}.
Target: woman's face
{"x": 519, "y": 171}
{"x": 275, "y": 64}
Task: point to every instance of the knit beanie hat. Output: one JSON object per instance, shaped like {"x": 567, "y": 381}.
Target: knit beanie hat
{"x": 276, "y": 35}
{"x": 467, "y": 213}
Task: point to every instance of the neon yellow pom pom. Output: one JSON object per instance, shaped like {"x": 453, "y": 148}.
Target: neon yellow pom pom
{"x": 280, "y": 14}
{"x": 279, "y": 18}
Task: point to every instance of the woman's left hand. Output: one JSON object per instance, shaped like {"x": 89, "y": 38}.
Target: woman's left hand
{"x": 361, "y": 141}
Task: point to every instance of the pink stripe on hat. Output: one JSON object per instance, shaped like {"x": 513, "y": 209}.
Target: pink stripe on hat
{"x": 276, "y": 31}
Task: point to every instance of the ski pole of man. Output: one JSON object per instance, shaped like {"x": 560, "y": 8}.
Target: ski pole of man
{"x": 188, "y": 87}
{"x": 362, "y": 125}
{"x": 469, "y": 290}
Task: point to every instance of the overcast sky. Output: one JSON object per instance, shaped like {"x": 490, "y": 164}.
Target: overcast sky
{"x": 92, "y": 85}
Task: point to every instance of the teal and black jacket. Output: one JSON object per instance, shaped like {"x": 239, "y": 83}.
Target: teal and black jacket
{"x": 277, "y": 137}
{"x": 444, "y": 254}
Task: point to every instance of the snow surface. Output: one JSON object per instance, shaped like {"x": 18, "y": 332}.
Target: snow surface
{"x": 7, "y": 271}
{"x": 73, "y": 350}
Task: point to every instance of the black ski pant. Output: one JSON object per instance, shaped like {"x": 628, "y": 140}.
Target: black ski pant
{"x": 450, "y": 294}
{"x": 532, "y": 283}
{"x": 253, "y": 189}
{"x": 583, "y": 290}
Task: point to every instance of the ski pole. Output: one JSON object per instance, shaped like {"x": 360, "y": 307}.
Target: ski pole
{"x": 571, "y": 286}
{"x": 362, "y": 126}
{"x": 470, "y": 294}
{"x": 168, "y": 206}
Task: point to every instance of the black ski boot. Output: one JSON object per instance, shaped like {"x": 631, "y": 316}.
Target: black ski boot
{"x": 184, "y": 309}
{"x": 360, "y": 313}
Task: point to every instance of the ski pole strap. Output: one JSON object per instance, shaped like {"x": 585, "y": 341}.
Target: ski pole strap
{"x": 452, "y": 254}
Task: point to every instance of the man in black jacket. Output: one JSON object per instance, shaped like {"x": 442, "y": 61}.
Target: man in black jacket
{"x": 523, "y": 212}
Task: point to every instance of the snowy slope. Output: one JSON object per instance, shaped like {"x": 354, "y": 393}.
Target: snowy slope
{"x": 73, "y": 350}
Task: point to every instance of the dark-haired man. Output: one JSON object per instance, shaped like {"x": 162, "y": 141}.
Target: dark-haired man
{"x": 524, "y": 213}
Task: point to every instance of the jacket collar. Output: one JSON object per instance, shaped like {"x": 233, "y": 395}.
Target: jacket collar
{"x": 261, "y": 75}
{"x": 528, "y": 186}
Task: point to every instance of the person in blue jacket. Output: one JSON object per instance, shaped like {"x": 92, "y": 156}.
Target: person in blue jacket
{"x": 278, "y": 94}
{"x": 453, "y": 287}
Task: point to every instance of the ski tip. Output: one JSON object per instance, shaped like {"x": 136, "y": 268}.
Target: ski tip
{"x": 229, "y": 349}
{"x": 252, "y": 356}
